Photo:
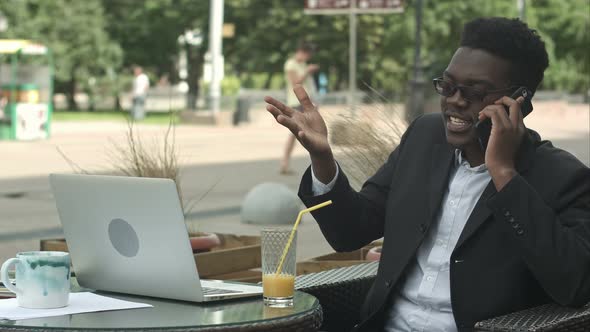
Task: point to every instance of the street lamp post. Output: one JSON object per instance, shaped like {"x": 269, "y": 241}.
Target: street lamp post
{"x": 215, "y": 43}
{"x": 415, "y": 106}
{"x": 352, "y": 57}
{"x": 521, "y": 5}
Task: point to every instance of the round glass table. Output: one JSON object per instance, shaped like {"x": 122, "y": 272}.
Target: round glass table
{"x": 248, "y": 314}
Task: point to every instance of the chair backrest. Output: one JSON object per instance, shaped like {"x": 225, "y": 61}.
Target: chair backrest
{"x": 341, "y": 293}
{"x": 547, "y": 317}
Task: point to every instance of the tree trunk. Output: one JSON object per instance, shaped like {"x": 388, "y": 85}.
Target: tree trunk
{"x": 195, "y": 65}
{"x": 269, "y": 77}
{"x": 70, "y": 93}
{"x": 91, "y": 101}
{"x": 117, "y": 104}
{"x": 339, "y": 79}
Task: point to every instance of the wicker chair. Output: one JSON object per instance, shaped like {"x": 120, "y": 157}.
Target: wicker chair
{"x": 342, "y": 291}
{"x": 548, "y": 317}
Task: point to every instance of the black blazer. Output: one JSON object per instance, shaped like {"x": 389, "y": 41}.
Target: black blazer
{"x": 526, "y": 245}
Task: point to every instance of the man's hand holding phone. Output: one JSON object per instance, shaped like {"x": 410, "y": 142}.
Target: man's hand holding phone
{"x": 506, "y": 136}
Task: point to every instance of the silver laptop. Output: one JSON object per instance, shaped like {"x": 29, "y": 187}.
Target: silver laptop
{"x": 127, "y": 235}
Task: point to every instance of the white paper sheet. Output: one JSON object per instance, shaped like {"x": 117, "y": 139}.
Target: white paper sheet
{"x": 79, "y": 303}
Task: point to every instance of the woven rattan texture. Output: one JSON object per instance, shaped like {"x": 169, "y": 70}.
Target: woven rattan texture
{"x": 341, "y": 293}
{"x": 549, "y": 317}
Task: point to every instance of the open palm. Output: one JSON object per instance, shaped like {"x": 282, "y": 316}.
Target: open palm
{"x": 308, "y": 126}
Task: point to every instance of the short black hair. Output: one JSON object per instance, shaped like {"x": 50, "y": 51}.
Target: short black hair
{"x": 512, "y": 40}
{"x": 307, "y": 47}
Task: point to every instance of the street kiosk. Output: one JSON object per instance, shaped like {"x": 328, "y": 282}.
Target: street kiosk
{"x": 26, "y": 90}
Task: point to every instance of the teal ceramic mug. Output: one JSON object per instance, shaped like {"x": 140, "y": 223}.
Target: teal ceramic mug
{"x": 42, "y": 279}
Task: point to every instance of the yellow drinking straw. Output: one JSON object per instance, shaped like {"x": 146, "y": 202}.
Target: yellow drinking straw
{"x": 313, "y": 208}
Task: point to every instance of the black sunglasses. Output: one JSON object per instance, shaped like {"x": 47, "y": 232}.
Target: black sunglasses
{"x": 471, "y": 94}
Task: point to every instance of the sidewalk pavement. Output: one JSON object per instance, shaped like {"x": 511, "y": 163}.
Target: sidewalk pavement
{"x": 238, "y": 157}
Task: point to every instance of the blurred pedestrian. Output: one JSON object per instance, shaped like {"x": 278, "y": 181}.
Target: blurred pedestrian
{"x": 297, "y": 72}
{"x": 141, "y": 84}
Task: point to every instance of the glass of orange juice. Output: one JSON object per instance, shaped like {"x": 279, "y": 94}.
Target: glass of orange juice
{"x": 278, "y": 288}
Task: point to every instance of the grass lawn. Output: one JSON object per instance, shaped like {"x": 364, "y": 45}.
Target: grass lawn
{"x": 108, "y": 115}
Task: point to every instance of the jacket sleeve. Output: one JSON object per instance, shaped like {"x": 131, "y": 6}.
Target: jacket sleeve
{"x": 354, "y": 219}
{"x": 554, "y": 237}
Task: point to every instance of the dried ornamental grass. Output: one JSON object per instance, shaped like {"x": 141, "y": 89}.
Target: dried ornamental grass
{"x": 362, "y": 142}
{"x": 134, "y": 158}
{"x": 157, "y": 160}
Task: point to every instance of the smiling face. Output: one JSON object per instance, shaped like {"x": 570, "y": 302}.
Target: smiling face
{"x": 478, "y": 69}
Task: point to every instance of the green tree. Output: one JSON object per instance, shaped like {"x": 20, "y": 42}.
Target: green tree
{"x": 94, "y": 38}
{"x": 75, "y": 32}
{"x": 565, "y": 26}
{"x": 267, "y": 32}
{"x": 148, "y": 33}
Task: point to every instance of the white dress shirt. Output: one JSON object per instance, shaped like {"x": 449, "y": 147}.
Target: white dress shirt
{"x": 422, "y": 300}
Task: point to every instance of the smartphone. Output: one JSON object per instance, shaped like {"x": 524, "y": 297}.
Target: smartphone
{"x": 484, "y": 128}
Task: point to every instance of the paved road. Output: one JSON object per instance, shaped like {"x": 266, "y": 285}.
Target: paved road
{"x": 238, "y": 157}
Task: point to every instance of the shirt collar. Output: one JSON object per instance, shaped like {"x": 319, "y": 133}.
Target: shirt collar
{"x": 460, "y": 161}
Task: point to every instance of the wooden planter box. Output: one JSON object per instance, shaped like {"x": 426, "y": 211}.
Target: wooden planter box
{"x": 238, "y": 258}
{"x": 234, "y": 259}
{"x": 335, "y": 260}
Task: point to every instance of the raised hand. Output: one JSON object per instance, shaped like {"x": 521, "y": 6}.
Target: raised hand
{"x": 309, "y": 128}
{"x": 312, "y": 68}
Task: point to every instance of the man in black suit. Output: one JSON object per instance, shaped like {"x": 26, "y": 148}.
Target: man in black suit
{"x": 469, "y": 233}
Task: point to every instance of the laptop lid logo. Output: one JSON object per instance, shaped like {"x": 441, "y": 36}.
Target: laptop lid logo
{"x": 123, "y": 237}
